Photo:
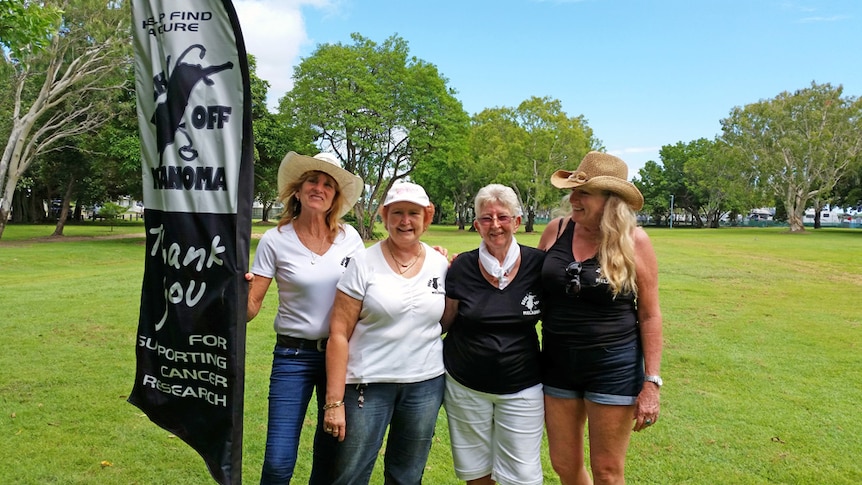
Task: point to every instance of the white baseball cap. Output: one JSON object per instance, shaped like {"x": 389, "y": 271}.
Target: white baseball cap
{"x": 407, "y": 192}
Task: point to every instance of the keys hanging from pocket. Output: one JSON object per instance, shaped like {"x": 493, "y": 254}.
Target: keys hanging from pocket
{"x": 361, "y": 389}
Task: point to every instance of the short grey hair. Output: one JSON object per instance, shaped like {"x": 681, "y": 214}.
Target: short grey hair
{"x": 497, "y": 193}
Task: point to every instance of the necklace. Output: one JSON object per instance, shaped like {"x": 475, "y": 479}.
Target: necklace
{"x": 314, "y": 254}
{"x": 404, "y": 267}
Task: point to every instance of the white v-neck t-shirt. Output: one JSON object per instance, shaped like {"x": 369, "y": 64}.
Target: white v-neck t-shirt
{"x": 306, "y": 281}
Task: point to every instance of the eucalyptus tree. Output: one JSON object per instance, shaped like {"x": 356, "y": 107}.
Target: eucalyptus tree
{"x": 799, "y": 145}
{"x": 526, "y": 144}
{"x": 379, "y": 110}
{"x": 74, "y": 70}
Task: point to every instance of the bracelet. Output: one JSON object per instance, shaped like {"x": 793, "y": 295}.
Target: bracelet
{"x": 333, "y": 405}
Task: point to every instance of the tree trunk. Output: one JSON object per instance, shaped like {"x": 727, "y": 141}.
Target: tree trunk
{"x": 4, "y": 216}
{"x": 795, "y": 206}
{"x": 267, "y": 207}
{"x": 6, "y": 199}
{"x": 531, "y": 218}
{"x": 64, "y": 208}
{"x": 818, "y": 208}
{"x": 362, "y": 226}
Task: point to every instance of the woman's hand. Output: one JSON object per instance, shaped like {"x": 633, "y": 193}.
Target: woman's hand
{"x": 334, "y": 423}
{"x": 441, "y": 250}
{"x": 647, "y": 407}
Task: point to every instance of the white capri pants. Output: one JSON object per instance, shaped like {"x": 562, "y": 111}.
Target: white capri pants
{"x": 496, "y": 434}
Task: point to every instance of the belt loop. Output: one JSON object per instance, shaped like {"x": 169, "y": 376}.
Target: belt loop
{"x": 321, "y": 345}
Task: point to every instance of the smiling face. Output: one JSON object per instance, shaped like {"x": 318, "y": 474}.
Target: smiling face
{"x": 497, "y": 225}
{"x": 405, "y": 222}
{"x": 587, "y": 206}
{"x": 317, "y": 192}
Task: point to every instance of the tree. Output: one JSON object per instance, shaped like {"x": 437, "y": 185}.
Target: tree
{"x": 381, "y": 112}
{"x": 674, "y": 159}
{"x": 652, "y": 184}
{"x": 26, "y": 26}
{"x": 274, "y": 136}
{"x": 523, "y": 146}
{"x": 721, "y": 184}
{"x": 70, "y": 73}
{"x": 713, "y": 183}
{"x": 798, "y": 144}
{"x": 100, "y": 166}
{"x": 110, "y": 211}
{"x": 553, "y": 141}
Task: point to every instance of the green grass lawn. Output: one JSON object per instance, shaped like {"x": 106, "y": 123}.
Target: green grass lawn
{"x": 762, "y": 362}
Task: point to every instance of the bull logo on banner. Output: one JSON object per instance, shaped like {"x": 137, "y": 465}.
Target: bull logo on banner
{"x": 174, "y": 89}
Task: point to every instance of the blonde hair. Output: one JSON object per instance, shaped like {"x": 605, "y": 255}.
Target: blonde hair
{"x": 616, "y": 252}
{"x": 293, "y": 207}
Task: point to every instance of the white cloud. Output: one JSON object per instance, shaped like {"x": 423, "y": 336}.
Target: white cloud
{"x": 274, "y": 33}
{"x": 834, "y": 18}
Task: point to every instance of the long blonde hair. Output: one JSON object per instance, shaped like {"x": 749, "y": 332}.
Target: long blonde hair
{"x": 616, "y": 252}
{"x": 292, "y": 206}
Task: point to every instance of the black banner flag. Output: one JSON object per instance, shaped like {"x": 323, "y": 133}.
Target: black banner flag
{"x": 194, "y": 112}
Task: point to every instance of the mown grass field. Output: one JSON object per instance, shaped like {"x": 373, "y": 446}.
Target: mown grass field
{"x": 762, "y": 362}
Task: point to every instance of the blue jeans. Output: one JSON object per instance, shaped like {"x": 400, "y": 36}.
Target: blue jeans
{"x": 295, "y": 374}
{"x": 409, "y": 410}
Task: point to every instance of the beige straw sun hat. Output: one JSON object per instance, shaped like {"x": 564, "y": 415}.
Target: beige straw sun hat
{"x": 601, "y": 171}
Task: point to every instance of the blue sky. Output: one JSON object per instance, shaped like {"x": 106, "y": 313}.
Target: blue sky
{"x": 643, "y": 73}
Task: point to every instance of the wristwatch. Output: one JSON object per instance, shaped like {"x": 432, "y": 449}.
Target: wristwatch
{"x": 654, "y": 379}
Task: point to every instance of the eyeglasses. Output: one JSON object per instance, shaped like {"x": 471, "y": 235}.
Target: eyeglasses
{"x": 502, "y": 219}
{"x": 573, "y": 286}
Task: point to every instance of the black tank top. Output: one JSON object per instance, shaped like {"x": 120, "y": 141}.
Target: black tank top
{"x": 593, "y": 318}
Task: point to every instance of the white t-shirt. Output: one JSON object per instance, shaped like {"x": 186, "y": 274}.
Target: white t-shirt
{"x": 306, "y": 281}
{"x": 397, "y": 338}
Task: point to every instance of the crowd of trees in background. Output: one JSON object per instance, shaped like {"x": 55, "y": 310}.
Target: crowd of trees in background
{"x": 68, "y": 116}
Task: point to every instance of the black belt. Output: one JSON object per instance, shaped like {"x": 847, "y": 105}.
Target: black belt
{"x": 301, "y": 343}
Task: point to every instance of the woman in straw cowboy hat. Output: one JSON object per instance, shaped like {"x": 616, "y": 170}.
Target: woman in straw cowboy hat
{"x": 306, "y": 253}
{"x": 602, "y": 326}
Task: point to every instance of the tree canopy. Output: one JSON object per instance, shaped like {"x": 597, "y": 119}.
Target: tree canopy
{"x": 798, "y": 145}
{"x": 63, "y": 90}
{"x": 379, "y": 110}
{"x": 389, "y": 116}
{"x": 26, "y": 26}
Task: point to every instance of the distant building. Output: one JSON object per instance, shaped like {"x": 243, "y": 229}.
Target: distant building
{"x": 761, "y": 214}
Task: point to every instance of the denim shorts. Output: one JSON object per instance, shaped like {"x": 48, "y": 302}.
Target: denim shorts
{"x": 604, "y": 375}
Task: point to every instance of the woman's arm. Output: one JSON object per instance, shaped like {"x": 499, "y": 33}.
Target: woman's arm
{"x": 257, "y": 286}
{"x": 342, "y": 321}
{"x": 449, "y": 313}
{"x": 650, "y": 322}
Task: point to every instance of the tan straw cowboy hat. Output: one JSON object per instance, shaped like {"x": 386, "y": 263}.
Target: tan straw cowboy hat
{"x": 294, "y": 165}
{"x": 601, "y": 171}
